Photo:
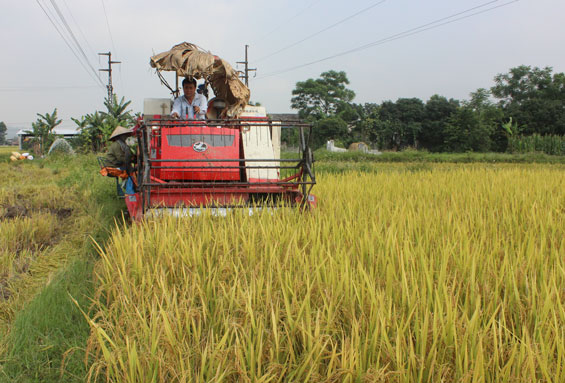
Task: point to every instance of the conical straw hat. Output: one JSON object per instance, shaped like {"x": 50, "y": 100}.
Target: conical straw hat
{"x": 119, "y": 131}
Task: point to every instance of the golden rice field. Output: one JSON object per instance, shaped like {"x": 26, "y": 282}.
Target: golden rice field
{"x": 451, "y": 274}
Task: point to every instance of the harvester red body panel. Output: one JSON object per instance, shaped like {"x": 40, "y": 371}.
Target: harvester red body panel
{"x": 217, "y": 164}
{"x": 194, "y": 142}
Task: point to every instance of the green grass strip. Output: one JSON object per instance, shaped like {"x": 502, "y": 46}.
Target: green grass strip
{"x": 48, "y": 337}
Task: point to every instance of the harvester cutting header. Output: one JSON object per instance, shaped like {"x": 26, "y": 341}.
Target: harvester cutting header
{"x": 218, "y": 154}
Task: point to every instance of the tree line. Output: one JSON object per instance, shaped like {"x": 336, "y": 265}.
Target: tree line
{"x": 523, "y": 111}
{"x": 525, "y": 103}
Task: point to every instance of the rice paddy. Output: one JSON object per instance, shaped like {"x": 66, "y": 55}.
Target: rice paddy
{"x": 435, "y": 273}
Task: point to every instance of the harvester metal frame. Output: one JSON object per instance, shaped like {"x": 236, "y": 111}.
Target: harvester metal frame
{"x": 292, "y": 187}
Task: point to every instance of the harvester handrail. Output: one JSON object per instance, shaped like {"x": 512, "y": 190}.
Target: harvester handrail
{"x": 226, "y": 123}
{"x": 216, "y": 184}
{"x": 224, "y": 167}
{"x": 227, "y": 160}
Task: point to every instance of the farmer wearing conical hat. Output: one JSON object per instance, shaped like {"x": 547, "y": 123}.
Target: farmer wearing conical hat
{"x": 119, "y": 156}
{"x": 119, "y": 153}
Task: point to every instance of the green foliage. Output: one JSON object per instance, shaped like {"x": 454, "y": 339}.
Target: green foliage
{"x": 465, "y": 132}
{"x": 323, "y": 96}
{"x": 93, "y": 130}
{"x": 399, "y": 123}
{"x": 534, "y": 97}
{"x": 328, "y": 128}
{"x": 489, "y": 118}
{"x": 349, "y": 113}
{"x": 531, "y": 101}
{"x": 548, "y": 144}
{"x": 437, "y": 114}
{"x": 510, "y": 127}
{"x": 3, "y": 130}
{"x": 96, "y": 128}
{"x": 52, "y": 326}
{"x": 42, "y": 130}
{"x": 324, "y": 102}
{"x": 325, "y": 159}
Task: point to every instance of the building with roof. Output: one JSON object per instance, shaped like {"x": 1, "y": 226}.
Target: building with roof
{"x": 24, "y": 137}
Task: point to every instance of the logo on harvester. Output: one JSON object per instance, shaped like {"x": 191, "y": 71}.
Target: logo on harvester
{"x": 200, "y": 147}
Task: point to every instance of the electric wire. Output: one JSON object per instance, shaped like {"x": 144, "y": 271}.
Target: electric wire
{"x": 407, "y": 33}
{"x": 45, "y": 88}
{"x": 79, "y": 29}
{"x": 288, "y": 20}
{"x": 112, "y": 40}
{"x": 73, "y": 37}
{"x": 94, "y": 77}
{"x": 57, "y": 24}
{"x": 321, "y": 31}
{"x": 108, "y": 25}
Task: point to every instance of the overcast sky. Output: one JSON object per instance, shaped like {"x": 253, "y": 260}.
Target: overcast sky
{"x": 39, "y": 72}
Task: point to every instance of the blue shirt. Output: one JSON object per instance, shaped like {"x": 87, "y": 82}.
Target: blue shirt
{"x": 185, "y": 110}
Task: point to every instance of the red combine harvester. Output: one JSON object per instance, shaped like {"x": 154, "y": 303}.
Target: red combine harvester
{"x": 230, "y": 160}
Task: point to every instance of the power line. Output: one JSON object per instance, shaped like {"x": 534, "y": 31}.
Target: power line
{"x": 407, "y": 33}
{"x": 45, "y": 88}
{"x": 322, "y": 30}
{"x": 71, "y": 33}
{"x": 108, "y": 25}
{"x": 53, "y": 19}
{"x": 79, "y": 28}
{"x": 112, "y": 40}
{"x": 288, "y": 20}
{"x": 67, "y": 43}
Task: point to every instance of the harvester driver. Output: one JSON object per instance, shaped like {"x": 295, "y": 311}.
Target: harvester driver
{"x": 191, "y": 105}
{"x": 119, "y": 156}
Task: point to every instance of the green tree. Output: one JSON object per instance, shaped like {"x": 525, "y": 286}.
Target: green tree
{"x": 96, "y": 128}
{"x": 464, "y": 132}
{"x": 387, "y": 133}
{"x": 405, "y": 117}
{"x": 3, "y": 130}
{"x": 42, "y": 130}
{"x": 534, "y": 98}
{"x": 118, "y": 111}
{"x": 437, "y": 112}
{"x": 364, "y": 127}
{"x": 328, "y": 128}
{"x": 490, "y": 116}
{"x": 321, "y": 97}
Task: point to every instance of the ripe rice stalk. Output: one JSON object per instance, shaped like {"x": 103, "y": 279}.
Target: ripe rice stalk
{"x": 451, "y": 274}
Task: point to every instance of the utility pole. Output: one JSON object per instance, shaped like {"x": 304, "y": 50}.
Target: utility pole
{"x": 109, "y": 70}
{"x": 245, "y": 76}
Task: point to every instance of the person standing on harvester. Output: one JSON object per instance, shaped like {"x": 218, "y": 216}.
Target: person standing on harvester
{"x": 191, "y": 105}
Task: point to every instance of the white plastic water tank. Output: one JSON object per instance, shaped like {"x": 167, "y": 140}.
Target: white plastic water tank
{"x": 157, "y": 106}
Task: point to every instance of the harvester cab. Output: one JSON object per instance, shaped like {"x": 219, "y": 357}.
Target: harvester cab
{"x": 232, "y": 159}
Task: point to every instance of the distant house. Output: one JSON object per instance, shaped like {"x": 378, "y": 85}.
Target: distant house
{"x": 12, "y": 141}
{"x": 24, "y": 137}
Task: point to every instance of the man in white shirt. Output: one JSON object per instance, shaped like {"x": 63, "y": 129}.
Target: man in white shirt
{"x": 190, "y": 106}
